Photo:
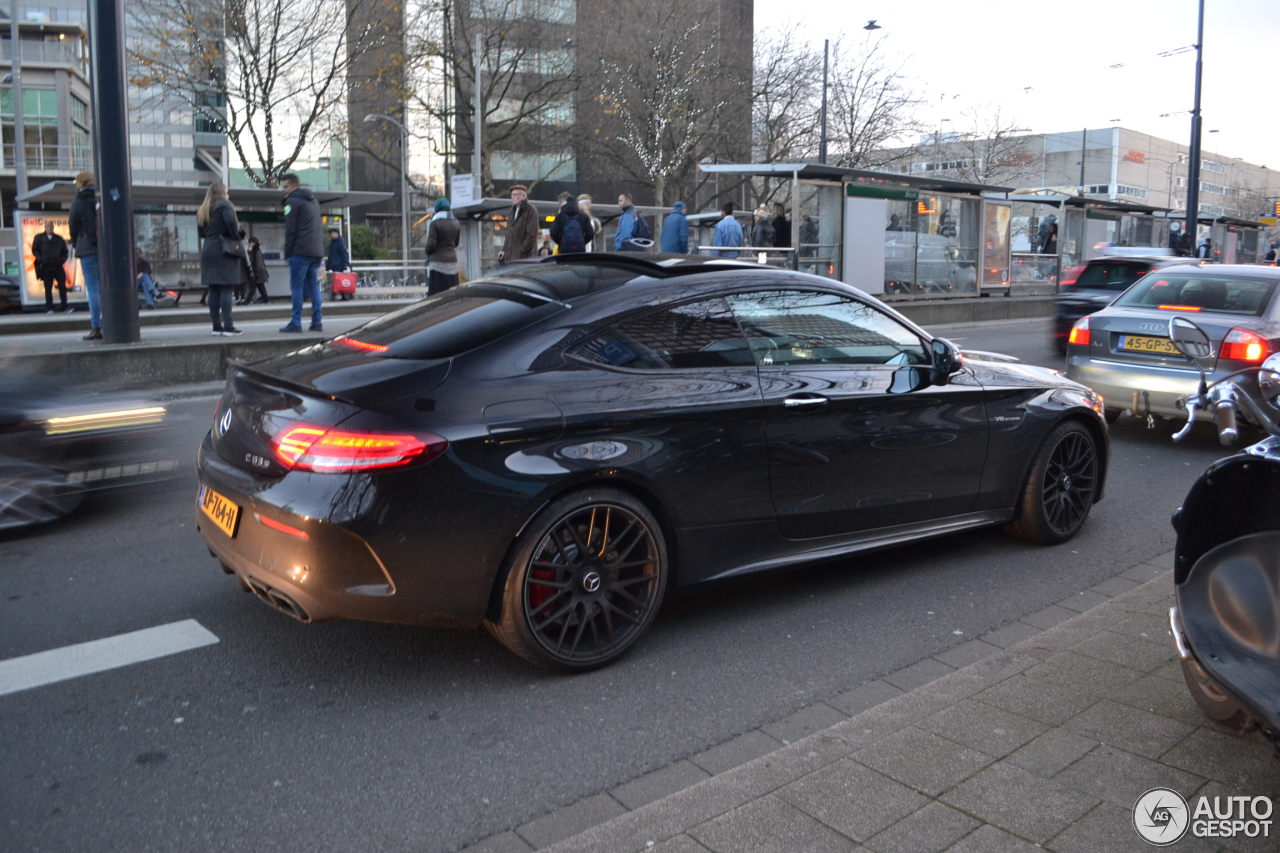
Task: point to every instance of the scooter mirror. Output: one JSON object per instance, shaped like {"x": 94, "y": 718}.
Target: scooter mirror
{"x": 1269, "y": 380}
{"x": 1189, "y": 338}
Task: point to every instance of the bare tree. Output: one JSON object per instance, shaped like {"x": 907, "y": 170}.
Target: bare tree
{"x": 664, "y": 111}
{"x": 786, "y": 105}
{"x": 267, "y": 73}
{"x": 993, "y": 149}
{"x": 528, "y": 81}
{"x": 871, "y": 108}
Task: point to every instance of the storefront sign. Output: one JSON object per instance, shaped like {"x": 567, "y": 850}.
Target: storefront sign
{"x": 1136, "y": 156}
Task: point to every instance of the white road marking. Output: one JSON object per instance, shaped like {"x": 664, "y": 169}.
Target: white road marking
{"x": 68, "y": 662}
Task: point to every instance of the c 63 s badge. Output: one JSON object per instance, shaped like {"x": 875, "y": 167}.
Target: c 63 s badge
{"x": 1160, "y": 817}
{"x": 257, "y": 461}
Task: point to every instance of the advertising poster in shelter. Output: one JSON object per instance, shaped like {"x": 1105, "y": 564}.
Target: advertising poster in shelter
{"x": 995, "y": 245}
{"x": 29, "y": 223}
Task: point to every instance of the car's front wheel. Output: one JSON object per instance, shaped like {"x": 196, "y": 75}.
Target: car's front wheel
{"x": 584, "y": 583}
{"x": 1059, "y": 491}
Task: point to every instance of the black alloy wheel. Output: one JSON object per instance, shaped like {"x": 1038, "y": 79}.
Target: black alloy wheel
{"x": 1059, "y": 492}
{"x": 586, "y": 584}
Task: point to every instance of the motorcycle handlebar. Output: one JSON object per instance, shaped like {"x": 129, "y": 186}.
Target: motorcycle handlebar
{"x": 1225, "y": 417}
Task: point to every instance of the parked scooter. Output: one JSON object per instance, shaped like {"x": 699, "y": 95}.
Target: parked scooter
{"x": 1226, "y": 624}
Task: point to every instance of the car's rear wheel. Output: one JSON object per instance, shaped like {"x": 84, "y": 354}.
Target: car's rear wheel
{"x": 584, "y": 583}
{"x": 1215, "y": 704}
{"x": 1059, "y": 491}
{"x": 31, "y": 494}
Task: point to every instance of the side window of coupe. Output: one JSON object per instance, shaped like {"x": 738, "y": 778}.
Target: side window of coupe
{"x": 804, "y": 327}
{"x": 692, "y": 335}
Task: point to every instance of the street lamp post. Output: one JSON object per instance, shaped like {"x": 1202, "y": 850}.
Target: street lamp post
{"x": 404, "y": 189}
{"x": 822, "y": 139}
{"x": 1193, "y": 168}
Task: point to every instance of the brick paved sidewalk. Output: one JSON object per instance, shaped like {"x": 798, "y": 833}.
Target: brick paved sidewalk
{"x": 1045, "y": 745}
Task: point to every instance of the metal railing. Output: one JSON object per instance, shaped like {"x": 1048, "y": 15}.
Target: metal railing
{"x": 57, "y": 53}
{"x": 390, "y": 279}
{"x": 64, "y": 158}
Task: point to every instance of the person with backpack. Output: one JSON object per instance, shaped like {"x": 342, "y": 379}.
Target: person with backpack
{"x": 631, "y": 227}
{"x": 675, "y": 231}
{"x": 571, "y": 230}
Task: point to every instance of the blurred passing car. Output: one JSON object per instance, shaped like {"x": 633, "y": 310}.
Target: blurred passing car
{"x": 1124, "y": 351}
{"x": 1094, "y": 285}
{"x": 56, "y": 446}
{"x": 552, "y": 448}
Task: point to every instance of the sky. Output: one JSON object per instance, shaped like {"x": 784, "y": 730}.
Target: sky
{"x": 989, "y": 51}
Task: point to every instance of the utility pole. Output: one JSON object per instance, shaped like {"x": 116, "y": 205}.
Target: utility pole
{"x": 822, "y": 139}
{"x": 19, "y": 135}
{"x": 119, "y": 287}
{"x": 1084, "y": 147}
{"x": 1193, "y": 169}
{"x": 477, "y": 159}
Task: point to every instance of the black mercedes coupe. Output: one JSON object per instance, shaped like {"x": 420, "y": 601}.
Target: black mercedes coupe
{"x": 554, "y": 448}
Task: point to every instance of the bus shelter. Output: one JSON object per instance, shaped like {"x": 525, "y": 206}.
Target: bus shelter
{"x": 166, "y": 233}
{"x": 899, "y": 236}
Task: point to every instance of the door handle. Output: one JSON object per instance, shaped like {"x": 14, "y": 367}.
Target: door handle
{"x": 804, "y": 402}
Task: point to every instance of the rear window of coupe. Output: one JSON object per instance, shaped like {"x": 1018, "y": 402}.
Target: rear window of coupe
{"x": 1115, "y": 276}
{"x": 1201, "y": 290}
{"x": 460, "y": 319}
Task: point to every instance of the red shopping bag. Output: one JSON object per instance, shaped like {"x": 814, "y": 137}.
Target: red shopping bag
{"x": 344, "y": 282}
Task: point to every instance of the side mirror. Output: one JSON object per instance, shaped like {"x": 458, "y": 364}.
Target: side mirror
{"x": 907, "y": 379}
{"x": 946, "y": 361}
{"x": 1189, "y": 338}
{"x": 1269, "y": 380}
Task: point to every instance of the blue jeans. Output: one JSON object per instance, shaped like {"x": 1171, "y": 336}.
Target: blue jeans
{"x": 89, "y": 266}
{"x": 304, "y": 283}
{"x": 148, "y": 288}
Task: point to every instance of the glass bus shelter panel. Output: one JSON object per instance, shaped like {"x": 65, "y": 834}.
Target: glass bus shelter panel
{"x": 947, "y": 234}
{"x": 900, "y": 239}
{"x": 1071, "y": 238}
{"x": 820, "y": 243}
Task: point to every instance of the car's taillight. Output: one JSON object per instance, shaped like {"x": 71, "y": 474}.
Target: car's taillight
{"x": 1080, "y": 332}
{"x": 1072, "y": 275}
{"x": 1244, "y": 345}
{"x": 307, "y": 447}
{"x": 363, "y": 346}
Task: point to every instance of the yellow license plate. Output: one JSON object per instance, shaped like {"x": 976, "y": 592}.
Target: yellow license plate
{"x": 1141, "y": 343}
{"x": 221, "y": 511}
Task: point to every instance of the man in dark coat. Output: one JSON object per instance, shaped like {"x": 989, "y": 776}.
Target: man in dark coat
{"x": 303, "y": 249}
{"x": 522, "y": 227}
{"x": 339, "y": 259}
{"x": 50, "y": 252}
{"x": 84, "y": 239}
{"x": 569, "y": 212}
{"x": 675, "y": 231}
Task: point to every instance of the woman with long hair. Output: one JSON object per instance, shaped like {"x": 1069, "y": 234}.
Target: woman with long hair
{"x": 223, "y": 260}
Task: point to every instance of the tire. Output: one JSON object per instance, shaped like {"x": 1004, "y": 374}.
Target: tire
{"x": 31, "y": 494}
{"x": 570, "y": 607}
{"x": 1059, "y": 491}
{"x": 1215, "y": 704}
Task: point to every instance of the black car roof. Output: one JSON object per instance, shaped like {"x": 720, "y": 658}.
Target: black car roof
{"x": 611, "y": 270}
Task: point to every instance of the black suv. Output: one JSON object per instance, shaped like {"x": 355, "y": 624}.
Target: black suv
{"x": 1094, "y": 285}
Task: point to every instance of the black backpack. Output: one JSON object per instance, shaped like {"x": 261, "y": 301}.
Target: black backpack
{"x": 573, "y": 238}
{"x": 643, "y": 231}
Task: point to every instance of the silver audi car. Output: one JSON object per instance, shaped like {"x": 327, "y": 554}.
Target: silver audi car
{"x": 1124, "y": 353}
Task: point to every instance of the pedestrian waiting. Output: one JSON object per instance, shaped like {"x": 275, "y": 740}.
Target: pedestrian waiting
{"x": 728, "y": 233}
{"x": 224, "y": 263}
{"x": 571, "y": 229}
{"x": 258, "y": 275}
{"x": 50, "y": 253}
{"x": 632, "y": 228}
{"x": 781, "y": 227}
{"x": 303, "y": 249}
{"x": 675, "y": 231}
{"x": 522, "y": 228}
{"x": 339, "y": 259}
{"x": 584, "y": 205}
{"x": 83, "y": 219}
{"x": 442, "y": 248}
{"x": 145, "y": 281}
{"x": 761, "y": 230}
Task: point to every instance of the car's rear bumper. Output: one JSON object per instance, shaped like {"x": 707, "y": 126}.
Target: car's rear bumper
{"x": 1157, "y": 389}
